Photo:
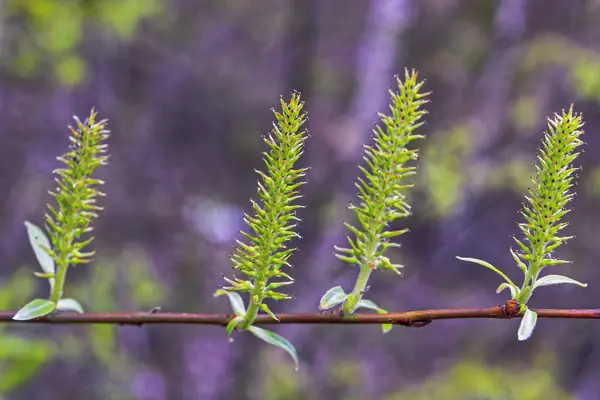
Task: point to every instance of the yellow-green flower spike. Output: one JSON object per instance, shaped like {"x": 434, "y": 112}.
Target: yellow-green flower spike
{"x": 272, "y": 224}
{"x": 382, "y": 187}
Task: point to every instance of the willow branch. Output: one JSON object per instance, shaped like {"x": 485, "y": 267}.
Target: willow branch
{"x": 410, "y": 318}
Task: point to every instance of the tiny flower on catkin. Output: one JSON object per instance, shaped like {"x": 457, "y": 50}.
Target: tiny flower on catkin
{"x": 381, "y": 196}
{"x": 543, "y": 211}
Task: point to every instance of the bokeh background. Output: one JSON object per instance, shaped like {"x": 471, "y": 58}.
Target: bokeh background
{"x": 188, "y": 86}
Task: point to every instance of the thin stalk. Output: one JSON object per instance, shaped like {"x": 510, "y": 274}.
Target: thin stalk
{"x": 59, "y": 283}
{"x": 359, "y": 289}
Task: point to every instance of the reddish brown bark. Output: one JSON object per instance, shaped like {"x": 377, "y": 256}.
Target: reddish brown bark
{"x": 410, "y": 318}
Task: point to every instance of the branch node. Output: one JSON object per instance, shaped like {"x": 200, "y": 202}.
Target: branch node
{"x": 417, "y": 324}
{"x": 511, "y": 309}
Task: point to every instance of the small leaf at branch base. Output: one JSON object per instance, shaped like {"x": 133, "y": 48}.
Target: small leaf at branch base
{"x": 527, "y": 324}
{"x": 237, "y": 304}
{"x": 525, "y": 295}
{"x": 332, "y": 297}
{"x": 514, "y": 292}
{"x": 69, "y": 305}
{"x": 38, "y": 241}
{"x": 275, "y": 340}
{"x": 35, "y": 308}
{"x": 556, "y": 280}
{"x": 45, "y": 275}
{"x": 488, "y": 265}
{"x": 231, "y": 326}
{"x": 372, "y": 306}
{"x": 266, "y": 309}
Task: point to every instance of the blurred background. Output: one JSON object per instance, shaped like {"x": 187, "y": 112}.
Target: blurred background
{"x": 188, "y": 87}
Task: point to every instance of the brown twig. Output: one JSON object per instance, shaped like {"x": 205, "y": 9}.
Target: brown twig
{"x": 411, "y": 318}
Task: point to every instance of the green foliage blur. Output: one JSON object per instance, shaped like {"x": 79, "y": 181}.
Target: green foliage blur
{"x": 582, "y": 64}
{"x": 445, "y": 171}
{"x": 124, "y": 281}
{"x": 21, "y": 355}
{"x": 473, "y": 379}
{"x": 443, "y": 168}
{"x": 52, "y": 31}
{"x": 121, "y": 282}
{"x": 49, "y": 42}
{"x": 467, "y": 379}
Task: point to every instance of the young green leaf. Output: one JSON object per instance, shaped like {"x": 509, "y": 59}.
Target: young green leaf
{"x": 524, "y": 294}
{"x": 364, "y": 303}
{"x": 527, "y": 324}
{"x": 237, "y": 304}
{"x": 266, "y": 309}
{"x": 44, "y": 275}
{"x": 35, "y": 308}
{"x": 47, "y": 275}
{"x": 514, "y": 291}
{"x": 40, "y": 243}
{"x": 556, "y": 280}
{"x": 231, "y": 326}
{"x": 332, "y": 297}
{"x": 519, "y": 262}
{"x": 490, "y": 266}
{"x": 275, "y": 340}
{"x": 69, "y": 305}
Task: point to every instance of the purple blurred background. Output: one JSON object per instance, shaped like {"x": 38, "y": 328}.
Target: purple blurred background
{"x": 188, "y": 86}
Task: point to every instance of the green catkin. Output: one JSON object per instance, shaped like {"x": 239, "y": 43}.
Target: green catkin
{"x": 264, "y": 253}
{"x": 383, "y": 185}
